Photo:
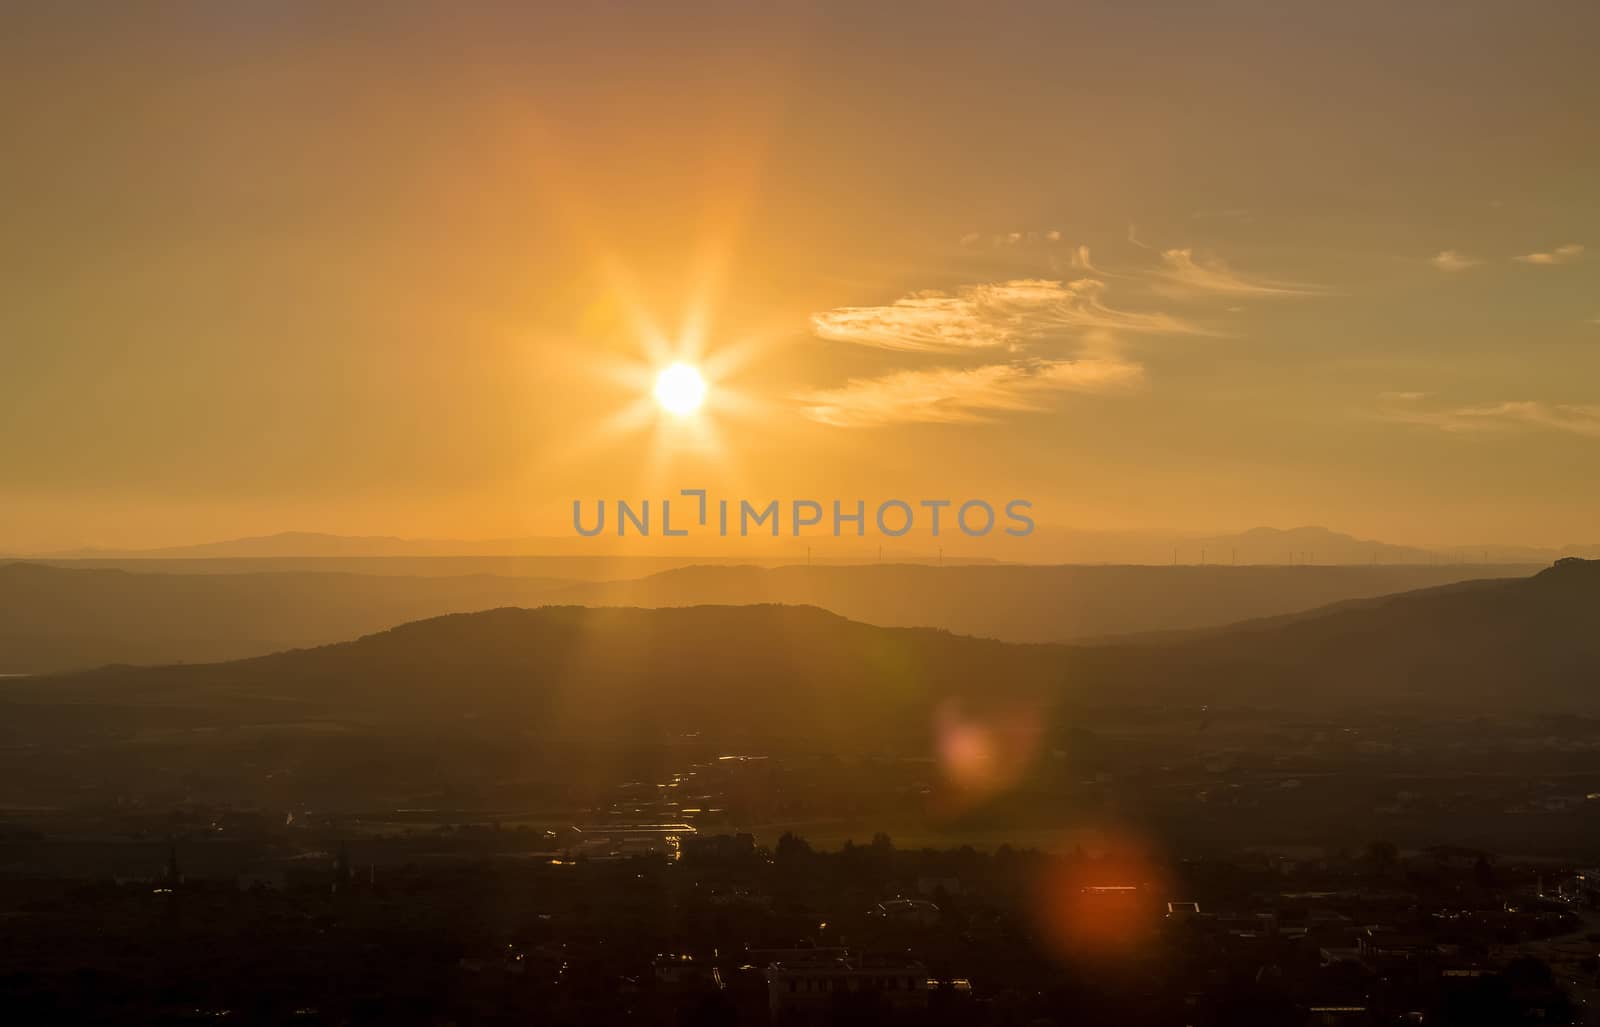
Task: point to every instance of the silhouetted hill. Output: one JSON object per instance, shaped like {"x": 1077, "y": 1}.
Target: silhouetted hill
{"x": 54, "y": 618}
{"x": 1031, "y": 604}
{"x": 788, "y": 671}
{"x": 655, "y": 551}
{"x": 1309, "y": 544}
{"x": 303, "y": 544}
{"x": 1532, "y": 641}
{"x": 593, "y": 676}
{"x": 591, "y": 567}
{"x": 64, "y": 618}
{"x": 543, "y": 701}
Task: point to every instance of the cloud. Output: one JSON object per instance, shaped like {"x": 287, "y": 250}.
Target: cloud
{"x": 1001, "y": 240}
{"x": 1032, "y": 339}
{"x": 1182, "y": 274}
{"x": 1569, "y": 418}
{"x": 997, "y": 315}
{"x": 1453, "y": 260}
{"x": 1574, "y": 418}
{"x": 1080, "y": 261}
{"x": 1560, "y": 255}
{"x": 965, "y": 395}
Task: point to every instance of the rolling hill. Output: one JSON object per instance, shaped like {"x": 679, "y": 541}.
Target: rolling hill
{"x": 544, "y": 701}
{"x": 56, "y": 618}
{"x": 1068, "y": 603}
{"x": 1483, "y": 643}
{"x": 581, "y": 678}
{"x": 1529, "y": 642}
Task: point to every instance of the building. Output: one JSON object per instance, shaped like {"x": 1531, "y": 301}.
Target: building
{"x": 766, "y": 957}
{"x": 1581, "y": 889}
{"x": 809, "y": 988}
{"x": 1379, "y": 945}
{"x": 680, "y": 969}
{"x": 619, "y": 841}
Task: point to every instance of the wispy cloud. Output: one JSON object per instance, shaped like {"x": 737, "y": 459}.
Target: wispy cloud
{"x": 1182, "y": 274}
{"x": 1575, "y": 418}
{"x": 989, "y": 316}
{"x": 1560, "y": 255}
{"x": 1080, "y": 261}
{"x": 1037, "y": 337}
{"x": 1453, "y": 260}
{"x": 1569, "y": 418}
{"x": 1008, "y": 239}
{"x": 964, "y": 395}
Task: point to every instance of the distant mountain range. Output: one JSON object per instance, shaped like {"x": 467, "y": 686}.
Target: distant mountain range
{"x": 779, "y": 673}
{"x": 1318, "y": 545}
{"x": 564, "y": 702}
{"x": 58, "y": 618}
{"x": 72, "y": 617}
{"x": 1070, "y": 603}
{"x": 308, "y": 544}
{"x": 1046, "y": 545}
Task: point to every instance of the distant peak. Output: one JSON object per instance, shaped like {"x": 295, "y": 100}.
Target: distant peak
{"x": 1303, "y": 533}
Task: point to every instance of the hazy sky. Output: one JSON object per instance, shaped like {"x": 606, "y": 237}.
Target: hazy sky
{"x": 271, "y": 266}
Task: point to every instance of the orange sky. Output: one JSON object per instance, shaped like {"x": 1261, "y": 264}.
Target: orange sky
{"x": 272, "y": 267}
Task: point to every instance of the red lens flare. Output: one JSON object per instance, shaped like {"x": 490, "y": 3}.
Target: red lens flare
{"x": 1102, "y": 906}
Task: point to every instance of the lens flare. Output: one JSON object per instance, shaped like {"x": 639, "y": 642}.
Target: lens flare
{"x": 983, "y": 753}
{"x": 1103, "y": 906}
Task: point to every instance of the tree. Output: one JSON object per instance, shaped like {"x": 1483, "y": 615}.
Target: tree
{"x": 792, "y": 848}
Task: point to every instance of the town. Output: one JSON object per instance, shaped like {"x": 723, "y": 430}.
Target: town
{"x": 651, "y": 924}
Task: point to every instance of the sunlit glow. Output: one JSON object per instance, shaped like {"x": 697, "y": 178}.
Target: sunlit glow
{"x": 983, "y": 752}
{"x": 683, "y": 416}
{"x": 1103, "y": 906}
{"x": 680, "y": 389}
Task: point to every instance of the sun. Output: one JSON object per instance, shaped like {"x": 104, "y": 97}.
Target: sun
{"x": 680, "y": 389}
